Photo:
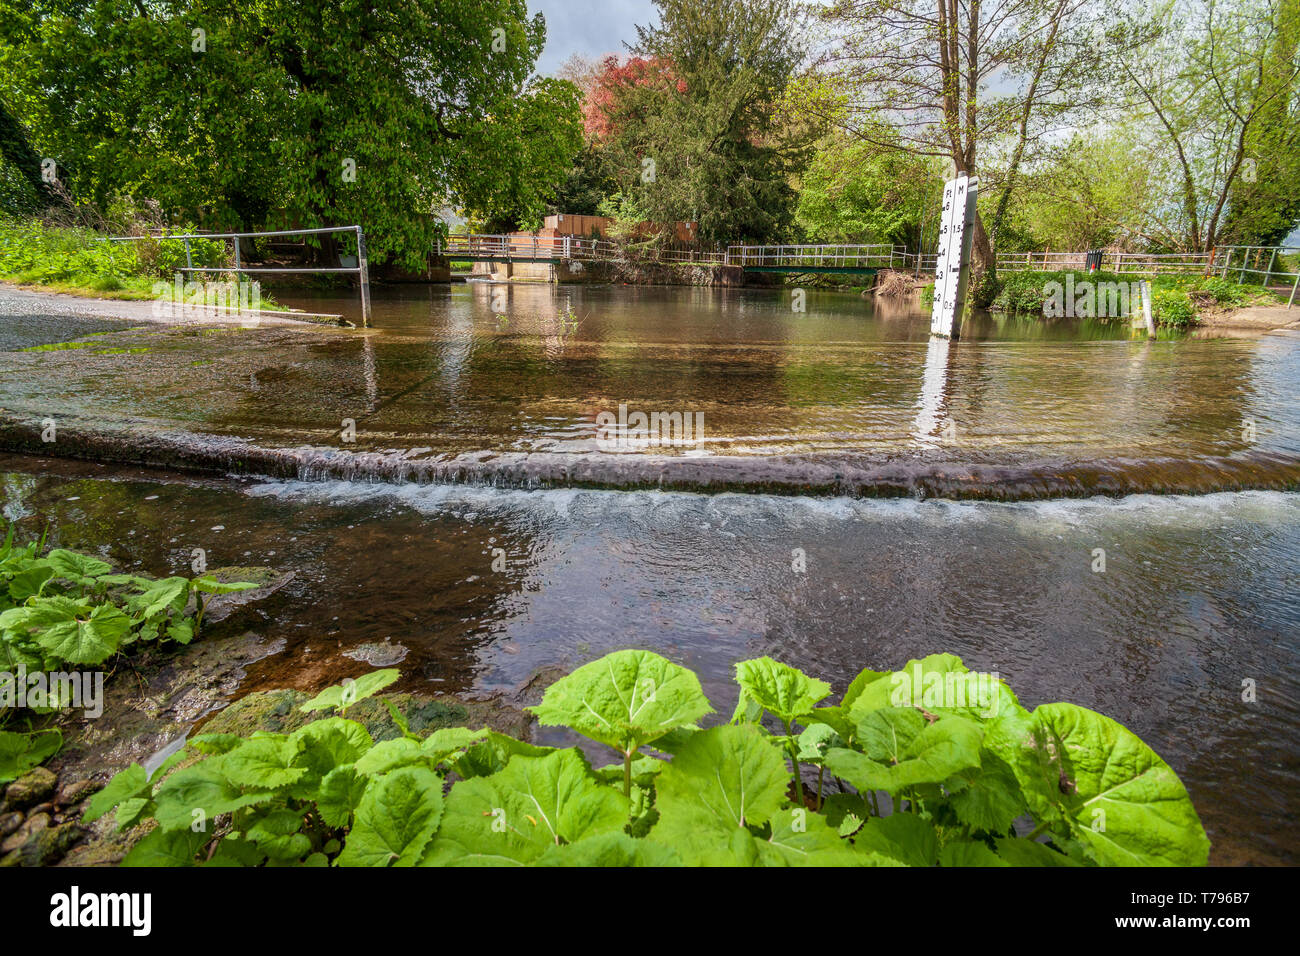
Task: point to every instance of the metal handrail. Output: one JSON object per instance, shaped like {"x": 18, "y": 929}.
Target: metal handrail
{"x": 361, "y": 270}
{"x": 1274, "y": 253}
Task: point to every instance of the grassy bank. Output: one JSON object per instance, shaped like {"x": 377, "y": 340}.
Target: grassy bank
{"x": 77, "y": 262}
{"x": 1177, "y": 301}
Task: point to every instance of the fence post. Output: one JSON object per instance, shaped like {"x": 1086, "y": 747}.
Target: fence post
{"x": 363, "y": 273}
{"x": 1271, "y": 259}
{"x": 1245, "y": 261}
{"x": 189, "y": 263}
{"x": 1146, "y": 309}
{"x": 237, "y": 263}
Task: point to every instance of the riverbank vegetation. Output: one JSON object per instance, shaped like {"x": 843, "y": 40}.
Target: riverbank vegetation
{"x": 1178, "y": 302}
{"x": 929, "y": 765}
{"x": 67, "y": 614}
{"x": 1165, "y": 128}
{"x": 77, "y": 261}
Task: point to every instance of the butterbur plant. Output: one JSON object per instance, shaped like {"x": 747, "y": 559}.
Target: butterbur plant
{"x": 61, "y": 610}
{"x": 931, "y": 765}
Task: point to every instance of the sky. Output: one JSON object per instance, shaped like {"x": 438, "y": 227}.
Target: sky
{"x": 589, "y": 27}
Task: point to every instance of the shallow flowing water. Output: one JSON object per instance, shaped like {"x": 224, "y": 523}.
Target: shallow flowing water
{"x": 422, "y": 536}
{"x": 1198, "y": 595}
{"x": 505, "y": 385}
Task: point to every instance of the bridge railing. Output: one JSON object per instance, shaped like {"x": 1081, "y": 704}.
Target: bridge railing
{"x": 1281, "y": 266}
{"x": 876, "y": 256}
{"x": 1184, "y": 263}
{"x": 357, "y": 265}
{"x": 568, "y": 247}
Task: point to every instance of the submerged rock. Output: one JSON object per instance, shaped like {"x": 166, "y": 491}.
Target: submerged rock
{"x": 222, "y": 606}
{"x": 278, "y": 711}
{"x": 50, "y": 844}
{"x": 35, "y": 786}
{"x": 378, "y": 653}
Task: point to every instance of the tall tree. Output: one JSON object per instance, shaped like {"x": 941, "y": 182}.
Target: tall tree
{"x": 1218, "y": 85}
{"x": 694, "y": 130}
{"x": 302, "y": 112}
{"x": 946, "y": 78}
{"x": 1263, "y": 202}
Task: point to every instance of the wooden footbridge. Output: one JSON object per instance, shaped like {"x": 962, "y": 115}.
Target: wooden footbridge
{"x": 821, "y": 259}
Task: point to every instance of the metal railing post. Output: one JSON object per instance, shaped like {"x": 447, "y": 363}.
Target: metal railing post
{"x": 236, "y": 255}
{"x": 189, "y": 263}
{"x": 363, "y": 273}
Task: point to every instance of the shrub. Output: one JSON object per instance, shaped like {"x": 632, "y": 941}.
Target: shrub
{"x": 1172, "y": 308}
{"x": 1222, "y": 291}
{"x": 930, "y": 765}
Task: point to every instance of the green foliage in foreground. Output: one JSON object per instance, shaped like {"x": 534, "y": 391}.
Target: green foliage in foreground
{"x": 62, "y": 611}
{"x": 930, "y": 765}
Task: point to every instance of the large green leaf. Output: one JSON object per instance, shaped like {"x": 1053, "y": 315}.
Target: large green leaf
{"x": 1090, "y": 777}
{"x": 390, "y": 754}
{"x": 722, "y": 781}
{"x": 86, "y": 639}
{"x": 514, "y": 816}
{"x": 28, "y": 583}
{"x": 783, "y": 691}
{"x": 21, "y": 752}
{"x": 263, "y": 763}
{"x": 167, "y": 848}
{"x": 1018, "y": 851}
{"x": 906, "y": 837}
{"x": 801, "y": 838}
{"x": 196, "y": 795}
{"x": 160, "y": 596}
{"x": 395, "y": 820}
{"x": 340, "y": 794}
{"x": 939, "y": 684}
{"x": 626, "y": 699}
{"x": 940, "y": 750}
{"x": 610, "y": 849}
{"x": 277, "y": 835}
{"x": 128, "y": 783}
{"x": 491, "y": 755}
{"x": 988, "y": 797}
{"x": 323, "y": 745}
{"x": 79, "y": 568}
{"x": 348, "y": 693}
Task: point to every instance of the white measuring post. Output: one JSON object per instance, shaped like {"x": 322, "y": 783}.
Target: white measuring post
{"x": 953, "y": 263}
{"x": 1147, "y": 318}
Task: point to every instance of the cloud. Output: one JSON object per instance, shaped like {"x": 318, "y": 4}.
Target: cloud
{"x": 589, "y": 27}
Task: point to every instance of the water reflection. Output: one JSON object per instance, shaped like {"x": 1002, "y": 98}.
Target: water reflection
{"x": 933, "y": 391}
